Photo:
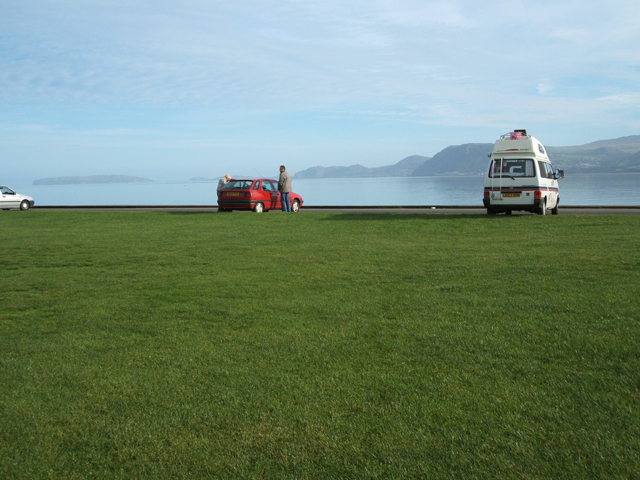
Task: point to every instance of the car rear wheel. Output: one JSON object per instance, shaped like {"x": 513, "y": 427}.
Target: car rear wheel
{"x": 295, "y": 207}
{"x": 259, "y": 208}
{"x": 25, "y": 205}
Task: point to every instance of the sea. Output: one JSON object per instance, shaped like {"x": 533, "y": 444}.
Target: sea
{"x": 581, "y": 189}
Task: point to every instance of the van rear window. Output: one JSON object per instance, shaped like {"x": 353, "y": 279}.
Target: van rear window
{"x": 511, "y": 167}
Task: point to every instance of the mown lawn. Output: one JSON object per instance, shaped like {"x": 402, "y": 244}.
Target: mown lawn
{"x": 237, "y": 345}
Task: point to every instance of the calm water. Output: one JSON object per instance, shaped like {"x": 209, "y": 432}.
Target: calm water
{"x": 586, "y": 189}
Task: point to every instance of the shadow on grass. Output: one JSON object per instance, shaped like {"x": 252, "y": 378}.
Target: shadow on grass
{"x": 419, "y": 216}
{"x": 192, "y": 213}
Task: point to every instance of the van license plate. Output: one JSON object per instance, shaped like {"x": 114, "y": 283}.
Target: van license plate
{"x": 511, "y": 195}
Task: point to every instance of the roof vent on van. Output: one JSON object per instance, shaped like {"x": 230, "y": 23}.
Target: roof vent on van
{"x": 517, "y": 134}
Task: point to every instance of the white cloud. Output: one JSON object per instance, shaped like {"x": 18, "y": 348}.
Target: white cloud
{"x": 292, "y": 53}
{"x": 447, "y": 14}
{"x": 545, "y": 87}
{"x": 627, "y": 100}
{"x": 572, "y": 34}
{"x": 27, "y": 128}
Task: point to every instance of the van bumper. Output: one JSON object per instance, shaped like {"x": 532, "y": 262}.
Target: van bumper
{"x": 509, "y": 207}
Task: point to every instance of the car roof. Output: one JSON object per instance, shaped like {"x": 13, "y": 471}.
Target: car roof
{"x": 250, "y": 180}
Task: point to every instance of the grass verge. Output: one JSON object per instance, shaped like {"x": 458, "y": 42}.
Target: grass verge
{"x": 319, "y": 345}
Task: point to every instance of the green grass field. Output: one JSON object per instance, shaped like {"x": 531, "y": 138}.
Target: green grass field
{"x": 173, "y": 345}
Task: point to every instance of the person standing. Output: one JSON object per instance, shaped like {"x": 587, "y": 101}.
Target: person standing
{"x": 221, "y": 183}
{"x": 284, "y": 187}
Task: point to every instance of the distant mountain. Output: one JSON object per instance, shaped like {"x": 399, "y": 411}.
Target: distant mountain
{"x": 95, "y": 179}
{"x": 630, "y": 144}
{"x": 612, "y": 156}
{"x": 620, "y": 155}
{"x": 468, "y": 159}
{"x": 403, "y": 168}
{"x": 632, "y": 162}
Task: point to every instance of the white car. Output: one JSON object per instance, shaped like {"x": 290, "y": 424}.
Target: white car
{"x": 11, "y": 200}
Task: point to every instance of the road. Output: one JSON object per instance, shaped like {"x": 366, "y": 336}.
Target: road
{"x": 448, "y": 209}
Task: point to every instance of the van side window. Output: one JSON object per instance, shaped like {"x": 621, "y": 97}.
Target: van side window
{"x": 546, "y": 170}
{"x": 543, "y": 171}
{"x": 540, "y": 147}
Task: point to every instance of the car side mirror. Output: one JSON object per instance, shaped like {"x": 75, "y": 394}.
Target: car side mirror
{"x": 558, "y": 174}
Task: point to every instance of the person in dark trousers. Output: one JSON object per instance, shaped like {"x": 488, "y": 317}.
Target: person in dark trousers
{"x": 284, "y": 187}
{"x": 221, "y": 183}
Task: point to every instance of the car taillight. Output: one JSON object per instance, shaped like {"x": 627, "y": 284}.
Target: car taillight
{"x": 537, "y": 194}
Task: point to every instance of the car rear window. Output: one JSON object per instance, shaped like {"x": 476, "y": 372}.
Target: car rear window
{"x": 238, "y": 185}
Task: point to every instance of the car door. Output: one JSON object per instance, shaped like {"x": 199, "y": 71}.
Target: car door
{"x": 271, "y": 193}
{"x": 259, "y": 195}
{"x": 277, "y": 194}
{"x": 8, "y": 198}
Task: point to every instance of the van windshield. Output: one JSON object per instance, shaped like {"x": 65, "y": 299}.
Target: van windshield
{"x": 511, "y": 167}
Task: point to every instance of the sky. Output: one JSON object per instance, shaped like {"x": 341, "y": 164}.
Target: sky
{"x": 171, "y": 90}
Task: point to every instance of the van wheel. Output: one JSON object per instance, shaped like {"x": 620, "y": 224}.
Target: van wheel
{"x": 543, "y": 207}
{"x": 554, "y": 210}
{"x": 508, "y": 212}
{"x": 491, "y": 211}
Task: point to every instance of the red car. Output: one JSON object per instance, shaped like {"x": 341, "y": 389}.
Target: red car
{"x": 258, "y": 194}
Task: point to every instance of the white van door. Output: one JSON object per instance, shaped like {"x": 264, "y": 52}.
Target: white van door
{"x": 551, "y": 184}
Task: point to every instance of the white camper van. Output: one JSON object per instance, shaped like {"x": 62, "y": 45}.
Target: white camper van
{"x": 521, "y": 177}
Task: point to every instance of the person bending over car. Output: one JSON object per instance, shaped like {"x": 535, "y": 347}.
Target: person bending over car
{"x": 221, "y": 183}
